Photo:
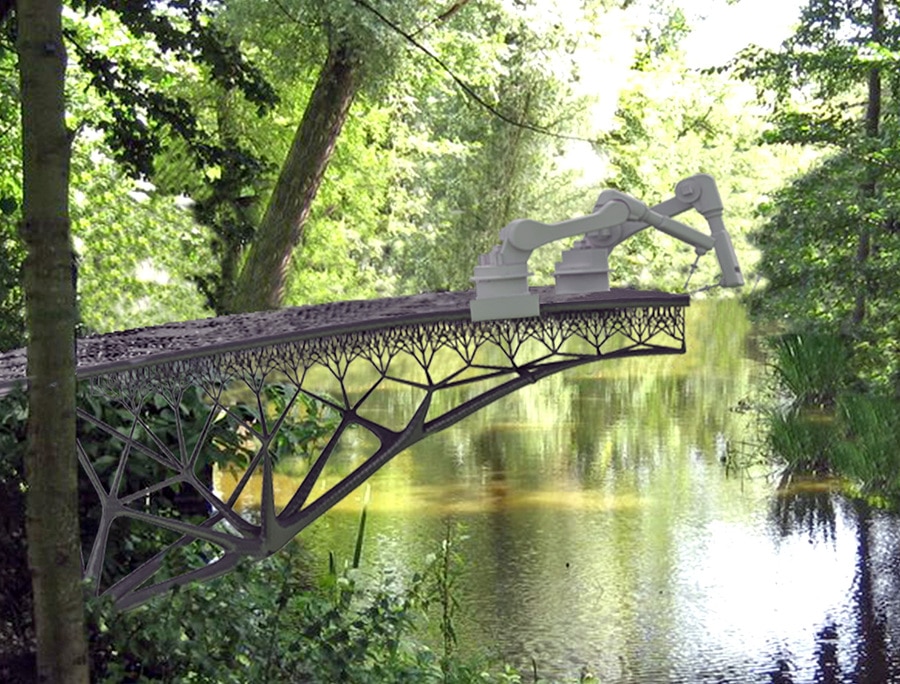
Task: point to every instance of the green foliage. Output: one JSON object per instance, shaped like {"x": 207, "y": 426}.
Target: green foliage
{"x": 831, "y": 251}
{"x": 811, "y": 367}
{"x": 307, "y": 425}
{"x": 259, "y": 623}
{"x": 802, "y": 439}
{"x": 810, "y": 370}
{"x": 16, "y": 631}
{"x": 868, "y": 451}
{"x": 12, "y": 253}
{"x": 137, "y": 250}
{"x": 671, "y": 122}
{"x": 465, "y": 173}
{"x": 265, "y": 622}
{"x": 832, "y": 424}
{"x": 856, "y": 441}
{"x": 445, "y": 572}
{"x": 141, "y": 63}
{"x": 140, "y": 109}
{"x": 351, "y": 236}
{"x": 824, "y": 65}
{"x": 830, "y": 248}
{"x": 811, "y": 263}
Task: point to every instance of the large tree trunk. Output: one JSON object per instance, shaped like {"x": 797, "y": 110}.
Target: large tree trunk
{"x": 51, "y": 466}
{"x": 262, "y": 280}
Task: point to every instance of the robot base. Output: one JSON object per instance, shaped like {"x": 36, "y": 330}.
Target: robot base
{"x": 518, "y": 306}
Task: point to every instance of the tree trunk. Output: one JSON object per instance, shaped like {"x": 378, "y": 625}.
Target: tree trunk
{"x": 870, "y": 187}
{"x": 51, "y": 466}
{"x": 262, "y": 280}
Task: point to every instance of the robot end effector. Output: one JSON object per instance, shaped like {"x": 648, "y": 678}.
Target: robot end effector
{"x": 701, "y": 193}
{"x": 501, "y": 279}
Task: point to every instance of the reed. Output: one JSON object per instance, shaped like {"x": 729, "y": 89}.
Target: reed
{"x": 812, "y": 367}
{"x": 868, "y": 450}
{"x": 803, "y": 440}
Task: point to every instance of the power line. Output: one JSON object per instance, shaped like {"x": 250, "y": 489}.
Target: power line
{"x": 465, "y": 87}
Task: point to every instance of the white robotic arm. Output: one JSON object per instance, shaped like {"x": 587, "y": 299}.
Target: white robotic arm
{"x": 501, "y": 278}
{"x": 521, "y": 237}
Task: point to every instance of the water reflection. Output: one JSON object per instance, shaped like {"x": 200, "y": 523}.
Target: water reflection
{"x": 604, "y": 532}
{"x": 804, "y": 506}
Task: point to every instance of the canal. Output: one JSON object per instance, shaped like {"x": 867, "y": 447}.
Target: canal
{"x": 604, "y": 530}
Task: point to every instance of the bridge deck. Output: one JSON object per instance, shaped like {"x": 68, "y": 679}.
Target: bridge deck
{"x": 129, "y": 349}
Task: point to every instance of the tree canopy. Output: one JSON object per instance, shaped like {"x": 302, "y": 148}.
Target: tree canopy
{"x": 830, "y": 244}
{"x": 462, "y": 117}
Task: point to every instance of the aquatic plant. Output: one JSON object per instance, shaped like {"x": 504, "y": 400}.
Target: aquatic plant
{"x": 811, "y": 366}
{"x": 855, "y": 439}
{"x": 443, "y": 573}
{"x": 802, "y": 440}
{"x": 832, "y": 423}
{"x": 869, "y": 426}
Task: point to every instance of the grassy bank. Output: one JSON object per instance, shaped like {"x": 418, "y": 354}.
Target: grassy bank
{"x": 827, "y": 420}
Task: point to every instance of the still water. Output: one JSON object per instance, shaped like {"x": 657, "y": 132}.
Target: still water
{"x": 603, "y": 532}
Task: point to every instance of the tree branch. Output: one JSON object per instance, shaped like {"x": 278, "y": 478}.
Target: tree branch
{"x": 443, "y": 16}
{"x": 287, "y": 15}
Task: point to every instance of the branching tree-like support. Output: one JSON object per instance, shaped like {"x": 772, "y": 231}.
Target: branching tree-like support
{"x": 336, "y": 356}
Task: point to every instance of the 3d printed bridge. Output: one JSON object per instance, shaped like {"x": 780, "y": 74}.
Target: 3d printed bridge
{"x": 314, "y": 358}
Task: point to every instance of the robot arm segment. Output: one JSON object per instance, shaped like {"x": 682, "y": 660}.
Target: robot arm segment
{"x": 501, "y": 277}
{"x": 701, "y": 192}
{"x": 698, "y": 192}
{"x": 527, "y": 235}
{"x": 641, "y": 213}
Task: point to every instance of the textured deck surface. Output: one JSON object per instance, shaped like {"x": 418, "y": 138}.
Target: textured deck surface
{"x": 173, "y": 341}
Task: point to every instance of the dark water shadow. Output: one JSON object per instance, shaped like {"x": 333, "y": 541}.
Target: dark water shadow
{"x": 855, "y": 649}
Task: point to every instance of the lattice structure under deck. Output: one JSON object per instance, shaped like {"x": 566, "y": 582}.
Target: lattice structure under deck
{"x": 161, "y": 405}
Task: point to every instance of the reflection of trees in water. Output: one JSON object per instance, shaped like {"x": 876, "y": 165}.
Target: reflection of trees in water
{"x": 828, "y": 669}
{"x": 490, "y": 451}
{"x": 812, "y": 511}
{"x": 490, "y": 456}
{"x": 871, "y": 650}
{"x": 808, "y": 509}
{"x": 781, "y": 673}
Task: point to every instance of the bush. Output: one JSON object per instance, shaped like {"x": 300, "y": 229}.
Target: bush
{"x": 263, "y": 623}
{"x": 16, "y": 632}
